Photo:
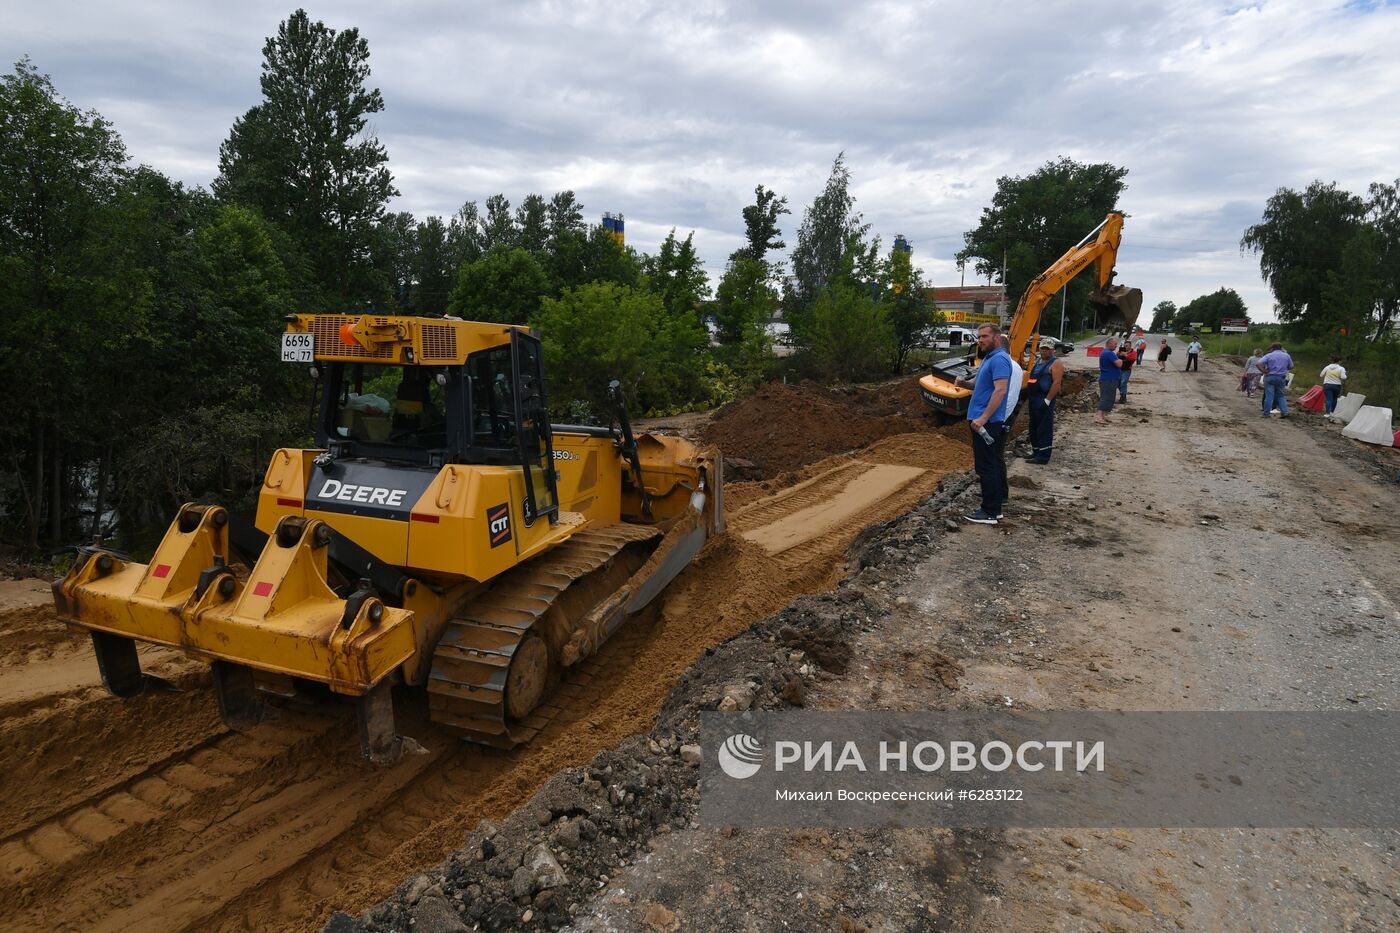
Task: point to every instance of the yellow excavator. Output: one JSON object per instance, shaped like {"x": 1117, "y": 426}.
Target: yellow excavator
{"x": 1115, "y": 307}
{"x": 443, "y": 535}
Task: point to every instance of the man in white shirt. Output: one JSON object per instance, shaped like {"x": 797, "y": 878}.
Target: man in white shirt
{"x": 1193, "y": 355}
{"x": 1018, "y": 375}
{"x": 1333, "y": 375}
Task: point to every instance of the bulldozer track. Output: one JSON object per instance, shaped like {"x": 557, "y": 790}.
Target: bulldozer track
{"x": 467, "y": 686}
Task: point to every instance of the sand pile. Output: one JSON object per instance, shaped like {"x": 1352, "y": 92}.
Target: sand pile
{"x": 785, "y": 427}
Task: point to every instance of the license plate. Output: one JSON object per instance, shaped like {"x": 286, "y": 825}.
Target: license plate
{"x": 298, "y": 348}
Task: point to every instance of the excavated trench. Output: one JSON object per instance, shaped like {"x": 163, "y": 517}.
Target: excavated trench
{"x": 149, "y": 813}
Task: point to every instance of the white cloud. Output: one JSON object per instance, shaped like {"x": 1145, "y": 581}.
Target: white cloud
{"x": 671, "y": 113}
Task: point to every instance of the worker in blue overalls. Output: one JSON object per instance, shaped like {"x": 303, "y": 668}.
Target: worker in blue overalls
{"x": 1046, "y": 380}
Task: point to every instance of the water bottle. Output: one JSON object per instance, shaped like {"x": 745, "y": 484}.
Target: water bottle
{"x": 985, "y": 435}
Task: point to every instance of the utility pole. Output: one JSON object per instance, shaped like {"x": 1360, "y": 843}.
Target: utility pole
{"x": 1063, "y": 290}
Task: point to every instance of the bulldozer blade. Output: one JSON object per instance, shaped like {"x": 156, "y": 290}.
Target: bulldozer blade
{"x": 674, "y": 556}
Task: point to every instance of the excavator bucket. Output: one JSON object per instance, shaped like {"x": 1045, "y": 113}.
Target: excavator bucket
{"x": 1116, "y": 307}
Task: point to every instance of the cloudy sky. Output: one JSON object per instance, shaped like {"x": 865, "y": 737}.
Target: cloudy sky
{"x": 672, "y": 112}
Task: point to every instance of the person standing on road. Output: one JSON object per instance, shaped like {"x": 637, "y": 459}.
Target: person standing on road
{"x": 986, "y": 415}
{"x": 1333, "y": 375}
{"x": 1164, "y": 352}
{"x": 1277, "y": 364}
{"x": 1109, "y": 367}
{"x": 1193, "y": 355}
{"x": 1013, "y": 387}
{"x": 1253, "y": 372}
{"x": 1047, "y": 377}
{"x": 1141, "y": 347}
{"x": 1129, "y": 357}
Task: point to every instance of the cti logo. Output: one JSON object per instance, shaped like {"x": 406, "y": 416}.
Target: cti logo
{"x": 740, "y": 756}
{"x": 498, "y": 524}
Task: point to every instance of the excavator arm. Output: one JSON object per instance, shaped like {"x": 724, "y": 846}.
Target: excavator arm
{"x": 1102, "y": 254}
{"x": 1117, "y": 305}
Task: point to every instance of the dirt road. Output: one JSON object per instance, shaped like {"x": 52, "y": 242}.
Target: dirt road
{"x": 1216, "y": 560}
{"x": 150, "y": 814}
{"x": 1191, "y": 556}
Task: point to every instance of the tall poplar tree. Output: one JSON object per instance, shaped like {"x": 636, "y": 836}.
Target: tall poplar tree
{"x": 305, "y": 158}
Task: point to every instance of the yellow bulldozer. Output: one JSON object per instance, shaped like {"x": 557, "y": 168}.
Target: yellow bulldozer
{"x": 443, "y": 534}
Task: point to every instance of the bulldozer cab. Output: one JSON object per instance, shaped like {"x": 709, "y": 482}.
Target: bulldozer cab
{"x": 490, "y": 409}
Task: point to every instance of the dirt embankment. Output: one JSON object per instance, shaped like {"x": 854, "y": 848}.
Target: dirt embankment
{"x": 781, "y": 428}
{"x": 151, "y": 814}
{"x": 579, "y": 851}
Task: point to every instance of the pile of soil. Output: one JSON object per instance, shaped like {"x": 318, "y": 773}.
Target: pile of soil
{"x": 785, "y": 427}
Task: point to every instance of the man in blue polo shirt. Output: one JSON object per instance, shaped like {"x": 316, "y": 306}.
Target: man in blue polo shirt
{"x": 1110, "y": 379}
{"x": 1276, "y": 365}
{"x": 987, "y": 414}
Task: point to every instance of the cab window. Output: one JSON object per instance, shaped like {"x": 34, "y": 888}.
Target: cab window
{"x": 397, "y": 405}
{"x": 493, "y": 398}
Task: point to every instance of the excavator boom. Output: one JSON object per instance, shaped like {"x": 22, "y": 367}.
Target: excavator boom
{"x": 1115, "y": 306}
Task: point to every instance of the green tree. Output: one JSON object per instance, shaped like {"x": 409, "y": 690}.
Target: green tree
{"x": 133, "y": 288}
{"x": 198, "y": 395}
{"x": 1163, "y": 317}
{"x": 676, "y": 274}
{"x": 745, "y": 301}
{"x": 59, "y": 168}
{"x": 909, "y": 310}
{"x": 505, "y": 285}
{"x": 831, "y": 231}
{"x": 306, "y": 158}
{"x": 1383, "y": 215}
{"x": 761, "y": 233}
{"x": 602, "y": 331}
{"x": 434, "y": 271}
{"x": 1352, "y": 295}
{"x": 1299, "y": 242}
{"x": 1211, "y": 309}
{"x": 395, "y": 256}
{"x": 464, "y": 236}
{"x": 564, "y": 215}
{"x": 242, "y": 296}
{"x": 498, "y": 226}
{"x": 581, "y": 257}
{"x": 1034, "y": 219}
{"x": 532, "y": 223}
